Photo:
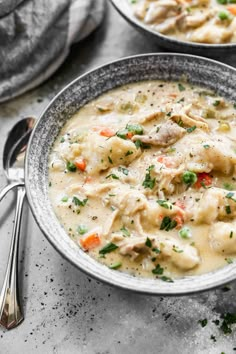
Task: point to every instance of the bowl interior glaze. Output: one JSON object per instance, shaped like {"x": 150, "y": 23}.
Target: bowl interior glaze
{"x": 199, "y": 71}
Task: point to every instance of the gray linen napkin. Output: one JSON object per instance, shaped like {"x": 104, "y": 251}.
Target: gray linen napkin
{"x": 35, "y": 37}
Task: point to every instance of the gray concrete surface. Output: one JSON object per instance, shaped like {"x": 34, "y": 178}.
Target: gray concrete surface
{"x": 65, "y": 311}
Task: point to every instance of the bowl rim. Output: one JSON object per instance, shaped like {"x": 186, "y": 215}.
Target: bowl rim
{"x": 132, "y": 20}
{"x": 109, "y": 280}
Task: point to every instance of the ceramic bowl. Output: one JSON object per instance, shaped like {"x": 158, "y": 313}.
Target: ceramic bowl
{"x": 209, "y": 50}
{"x": 198, "y": 71}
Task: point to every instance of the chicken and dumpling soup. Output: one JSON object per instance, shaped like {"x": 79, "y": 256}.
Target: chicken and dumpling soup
{"x": 201, "y": 21}
{"x": 143, "y": 179}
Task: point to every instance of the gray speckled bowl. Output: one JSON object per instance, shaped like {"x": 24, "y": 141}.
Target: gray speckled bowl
{"x": 209, "y": 50}
{"x": 197, "y": 70}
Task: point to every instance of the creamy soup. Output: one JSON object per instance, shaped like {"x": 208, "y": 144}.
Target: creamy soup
{"x": 143, "y": 179}
{"x": 202, "y": 21}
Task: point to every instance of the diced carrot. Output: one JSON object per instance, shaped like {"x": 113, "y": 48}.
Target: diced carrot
{"x": 174, "y": 95}
{"x": 165, "y": 160}
{"x": 203, "y": 179}
{"x": 179, "y": 219}
{"x": 129, "y": 135}
{"x": 91, "y": 241}
{"x": 180, "y": 204}
{"x": 96, "y": 129}
{"x": 107, "y": 132}
{"x": 80, "y": 164}
{"x": 88, "y": 179}
{"x": 232, "y": 9}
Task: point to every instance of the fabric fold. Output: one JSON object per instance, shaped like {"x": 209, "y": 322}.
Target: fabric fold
{"x": 35, "y": 38}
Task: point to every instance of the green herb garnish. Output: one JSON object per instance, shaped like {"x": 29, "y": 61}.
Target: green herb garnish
{"x": 148, "y": 242}
{"x": 181, "y": 87}
{"x": 158, "y": 270}
{"x": 148, "y": 181}
{"x": 110, "y": 247}
{"x": 164, "y": 204}
{"x": 168, "y": 224}
{"x": 115, "y": 265}
{"x": 167, "y": 279}
{"x": 156, "y": 250}
{"x": 124, "y": 170}
{"x": 79, "y": 202}
{"x": 230, "y": 195}
{"x": 125, "y": 231}
{"x": 176, "y": 249}
{"x": 112, "y": 175}
{"x": 191, "y": 129}
{"x": 203, "y": 323}
{"x": 227, "y": 209}
{"x": 129, "y": 152}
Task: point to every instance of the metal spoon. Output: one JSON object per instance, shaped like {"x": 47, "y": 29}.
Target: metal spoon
{"x": 13, "y": 164}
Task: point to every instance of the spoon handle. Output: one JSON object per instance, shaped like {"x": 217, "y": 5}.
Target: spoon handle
{"x": 10, "y": 311}
{"x": 6, "y": 189}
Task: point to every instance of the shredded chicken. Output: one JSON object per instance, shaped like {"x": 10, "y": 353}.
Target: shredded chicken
{"x": 165, "y": 135}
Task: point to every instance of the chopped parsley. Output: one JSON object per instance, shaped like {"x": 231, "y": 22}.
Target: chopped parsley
{"x": 156, "y": 250}
{"x": 139, "y": 144}
{"x": 227, "y": 209}
{"x": 228, "y": 186}
{"x": 191, "y": 129}
{"x": 203, "y": 323}
{"x": 229, "y": 260}
{"x": 168, "y": 224}
{"x": 181, "y": 87}
{"x": 125, "y": 231}
{"x": 164, "y": 204}
{"x": 149, "y": 182}
{"x": 109, "y": 159}
{"x": 112, "y": 175}
{"x": 158, "y": 270}
{"x": 231, "y": 234}
{"x": 176, "y": 249}
{"x": 115, "y": 265}
{"x": 228, "y": 319}
{"x": 230, "y": 195}
{"x": 79, "y": 202}
{"x": 216, "y": 103}
{"x": 124, "y": 170}
{"x": 110, "y": 247}
{"x": 129, "y": 152}
{"x": 148, "y": 242}
{"x": 167, "y": 279}
{"x": 206, "y": 146}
